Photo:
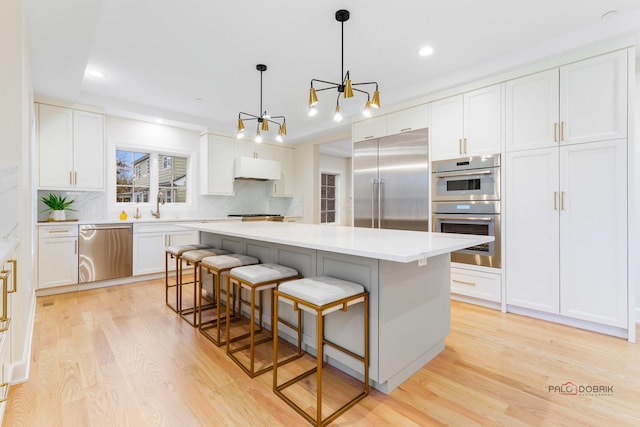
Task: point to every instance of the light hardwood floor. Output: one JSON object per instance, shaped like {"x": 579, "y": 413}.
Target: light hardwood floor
{"x": 118, "y": 357}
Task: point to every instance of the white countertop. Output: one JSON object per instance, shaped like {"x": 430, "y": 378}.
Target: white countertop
{"x": 131, "y": 220}
{"x": 391, "y": 245}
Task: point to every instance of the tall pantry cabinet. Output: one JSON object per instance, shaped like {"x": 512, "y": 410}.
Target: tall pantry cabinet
{"x": 566, "y": 191}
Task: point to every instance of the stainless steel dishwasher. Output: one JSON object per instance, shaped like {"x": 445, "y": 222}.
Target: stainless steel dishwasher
{"x": 104, "y": 251}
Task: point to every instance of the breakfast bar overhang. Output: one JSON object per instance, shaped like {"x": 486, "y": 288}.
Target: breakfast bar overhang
{"x": 407, "y": 274}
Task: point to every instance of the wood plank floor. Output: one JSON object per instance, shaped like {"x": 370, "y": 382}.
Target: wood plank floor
{"x": 118, "y": 357}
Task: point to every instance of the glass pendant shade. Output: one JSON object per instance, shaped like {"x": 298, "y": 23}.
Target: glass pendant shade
{"x": 348, "y": 90}
{"x": 313, "y": 97}
{"x": 375, "y": 101}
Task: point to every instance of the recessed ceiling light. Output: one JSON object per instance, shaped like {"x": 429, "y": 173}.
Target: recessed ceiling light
{"x": 425, "y": 51}
{"x": 97, "y": 74}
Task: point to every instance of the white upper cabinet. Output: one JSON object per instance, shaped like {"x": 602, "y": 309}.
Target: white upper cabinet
{"x": 581, "y": 102}
{"x": 532, "y": 111}
{"x": 284, "y": 186}
{"x": 253, "y": 149}
{"x": 70, "y": 149}
{"x": 375, "y": 127}
{"x": 593, "y": 99}
{"x": 407, "y": 120}
{"x": 466, "y": 125}
{"x": 216, "y": 165}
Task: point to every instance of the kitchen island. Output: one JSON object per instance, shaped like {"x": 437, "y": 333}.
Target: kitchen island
{"x": 407, "y": 274}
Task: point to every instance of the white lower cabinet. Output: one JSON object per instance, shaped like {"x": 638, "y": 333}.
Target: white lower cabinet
{"x": 57, "y": 255}
{"x": 476, "y": 284}
{"x": 566, "y": 231}
{"x": 150, "y": 242}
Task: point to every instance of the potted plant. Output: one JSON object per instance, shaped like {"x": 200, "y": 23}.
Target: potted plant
{"x": 58, "y": 205}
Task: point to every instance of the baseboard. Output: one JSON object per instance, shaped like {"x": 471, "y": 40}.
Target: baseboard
{"x": 20, "y": 369}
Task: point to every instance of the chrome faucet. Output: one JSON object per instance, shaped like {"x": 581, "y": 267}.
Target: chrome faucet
{"x": 158, "y": 201}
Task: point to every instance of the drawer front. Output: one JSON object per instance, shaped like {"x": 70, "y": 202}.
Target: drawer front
{"x": 55, "y": 231}
{"x": 155, "y": 228}
{"x": 476, "y": 284}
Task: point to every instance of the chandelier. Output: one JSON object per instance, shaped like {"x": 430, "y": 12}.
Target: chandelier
{"x": 263, "y": 119}
{"x": 345, "y": 87}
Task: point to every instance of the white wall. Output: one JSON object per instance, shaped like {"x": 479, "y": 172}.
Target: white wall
{"x": 341, "y": 166}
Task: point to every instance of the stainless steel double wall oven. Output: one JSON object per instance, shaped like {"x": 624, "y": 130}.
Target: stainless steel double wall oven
{"x": 466, "y": 200}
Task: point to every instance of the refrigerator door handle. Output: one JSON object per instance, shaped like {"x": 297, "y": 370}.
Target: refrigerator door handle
{"x": 380, "y": 203}
{"x": 373, "y": 200}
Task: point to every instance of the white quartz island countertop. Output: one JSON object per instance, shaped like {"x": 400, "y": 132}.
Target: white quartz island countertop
{"x": 390, "y": 245}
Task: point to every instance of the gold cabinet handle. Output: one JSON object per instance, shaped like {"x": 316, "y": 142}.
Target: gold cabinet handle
{"x": 75, "y": 178}
{"x": 465, "y": 145}
{"x": 405, "y": 129}
{"x": 70, "y": 178}
{"x": 5, "y": 392}
{"x": 460, "y": 146}
{"x": 4, "y": 275}
{"x": 555, "y": 200}
{"x": 555, "y": 132}
{"x": 562, "y": 131}
{"x": 562, "y": 200}
{"x": 75, "y": 246}
{"x": 14, "y": 269}
{"x": 462, "y": 282}
{"x": 368, "y": 137}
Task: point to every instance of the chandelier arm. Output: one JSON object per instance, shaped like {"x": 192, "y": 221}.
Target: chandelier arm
{"x": 361, "y": 91}
{"x": 251, "y": 116}
{"x": 325, "y": 82}
{"x": 345, "y": 77}
{"x": 365, "y": 83}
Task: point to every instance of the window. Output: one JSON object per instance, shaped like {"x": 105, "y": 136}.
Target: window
{"x": 172, "y": 179}
{"x": 136, "y": 173}
{"x": 328, "y": 198}
{"x": 132, "y": 177}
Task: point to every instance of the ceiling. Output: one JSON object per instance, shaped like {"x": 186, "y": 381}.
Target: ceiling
{"x": 192, "y": 62}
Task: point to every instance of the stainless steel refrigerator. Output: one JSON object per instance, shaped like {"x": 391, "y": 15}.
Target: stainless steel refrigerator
{"x": 391, "y": 182}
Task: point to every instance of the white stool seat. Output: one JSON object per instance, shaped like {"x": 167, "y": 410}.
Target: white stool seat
{"x": 220, "y": 262}
{"x": 200, "y": 254}
{"x": 320, "y": 290}
{"x": 260, "y": 273}
{"x": 180, "y": 249}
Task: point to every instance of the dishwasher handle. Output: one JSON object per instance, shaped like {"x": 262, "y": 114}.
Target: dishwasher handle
{"x": 104, "y": 227}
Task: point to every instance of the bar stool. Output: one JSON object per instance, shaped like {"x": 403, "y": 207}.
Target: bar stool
{"x": 219, "y": 267}
{"x": 193, "y": 258}
{"x": 321, "y": 296}
{"x": 254, "y": 278}
{"x": 170, "y": 253}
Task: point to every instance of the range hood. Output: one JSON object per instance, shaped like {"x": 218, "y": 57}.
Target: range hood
{"x": 258, "y": 169}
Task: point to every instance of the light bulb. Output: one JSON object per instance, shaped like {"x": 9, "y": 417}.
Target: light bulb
{"x": 312, "y": 111}
{"x": 258, "y": 137}
{"x": 279, "y": 138}
{"x": 367, "y": 109}
{"x": 337, "y": 116}
{"x": 240, "y": 135}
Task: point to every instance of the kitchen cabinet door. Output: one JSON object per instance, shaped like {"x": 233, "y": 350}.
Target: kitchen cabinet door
{"x": 55, "y": 147}
{"x": 57, "y": 262}
{"x": 284, "y": 186}
{"x": 216, "y": 165}
{"x": 408, "y": 120}
{"x": 532, "y": 261}
{"x": 186, "y": 237}
{"x": 249, "y": 148}
{"x": 532, "y": 111}
{"x": 88, "y": 150}
{"x": 374, "y": 127}
{"x": 593, "y": 99}
{"x": 593, "y": 232}
{"x": 447, "y": 128}
{"x": 482, "y": 122}
{"x": 149, "y": 252}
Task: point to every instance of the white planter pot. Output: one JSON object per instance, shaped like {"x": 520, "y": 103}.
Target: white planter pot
{"x": 59, "y": 216}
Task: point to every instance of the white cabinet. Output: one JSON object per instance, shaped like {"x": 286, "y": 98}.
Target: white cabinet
{"x": 150, "y": 242}
{"x": 57, "y": 255}
{"x": 253, "y": 149}
{"x": 374, "y": 127}
{"x": 70, "y": 149}
{"x": 216, "y": 165}
{"x": 466, "y": 124}
{"x": 284, "y": 186}
{"x": 566, "y": 231}
{"x": 581, "y": 102}
{"x": 476, "y": 284}
{"x": 391, "y": 124}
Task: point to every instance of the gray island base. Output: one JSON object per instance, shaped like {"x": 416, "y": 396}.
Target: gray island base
{"x": 407, "y": 275}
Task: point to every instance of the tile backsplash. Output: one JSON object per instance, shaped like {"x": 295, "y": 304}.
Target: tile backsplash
{"x": 9, "y": 199}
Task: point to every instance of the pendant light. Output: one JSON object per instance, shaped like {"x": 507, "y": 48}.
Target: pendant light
{"x": 263, "y": 119}
{"x": 345, "y": 87}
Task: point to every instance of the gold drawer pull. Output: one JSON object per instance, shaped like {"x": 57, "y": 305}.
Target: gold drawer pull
{"x": 405, "y": 129}
{"x": 462, "y": 282}
{"x": 5, "y": 392}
